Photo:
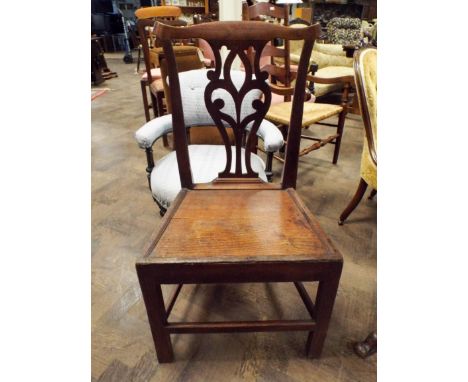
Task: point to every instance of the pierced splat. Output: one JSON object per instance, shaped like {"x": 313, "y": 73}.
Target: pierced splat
{"x": 220, "y": 78}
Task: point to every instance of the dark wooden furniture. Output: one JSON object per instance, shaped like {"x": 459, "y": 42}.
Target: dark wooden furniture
{"x": 367, "y": 347}
{"x": 97, "y": 63}
{"x": 99, "y": 70}
{"x": 238, "y": 229}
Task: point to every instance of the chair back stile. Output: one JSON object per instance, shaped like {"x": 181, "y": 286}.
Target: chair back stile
{"x": 238, "y": 38}
{"x": 362, "y": 88}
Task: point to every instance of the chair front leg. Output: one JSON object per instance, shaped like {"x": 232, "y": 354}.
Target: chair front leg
{"x": 372, "y": 194}
{"x": 354, "y": 202}
{"x": 325, "y": 300}
{"x": 269, "y": 166}
{"x": 150, "y": 164}
{"x": 341, "y": 121}
{"x": 144, "y": 95}
{"x": 339, "y": 132}
{"x": 156, "y": 311}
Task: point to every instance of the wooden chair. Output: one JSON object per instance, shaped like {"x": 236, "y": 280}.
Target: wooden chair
{"x": 274, "y": 60}
{"x": 315, "y": 113}
{"x": 238, "y": 228}
{"x": 208, "y": 55}
{"x": 152, "y": 76}
{"x": 365, "y": 67}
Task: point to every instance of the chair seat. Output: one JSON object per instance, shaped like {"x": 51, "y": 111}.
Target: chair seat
{"x": 206, "y": 161}
{"x": 240, "y": 225}
{"x": 313, "y": 112}
{"x": 331, "y": 72}
{"x": 155, "y": 73}
{"x": 157, "y": 86}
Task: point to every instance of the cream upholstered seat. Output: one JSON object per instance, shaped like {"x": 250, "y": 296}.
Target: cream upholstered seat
{"x": 331, "y": 72}
{"x": 331, "y": 60}
{"x": 206, "y": 160}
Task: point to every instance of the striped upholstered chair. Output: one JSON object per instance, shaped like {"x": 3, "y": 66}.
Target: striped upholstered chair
{"x": 207, "y": 161}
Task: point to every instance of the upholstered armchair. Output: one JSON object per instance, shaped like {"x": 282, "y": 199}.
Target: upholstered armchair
{"x": 206, "y": 160}
{"x": 365, "y": 66}
{"x": 331, "y": 61}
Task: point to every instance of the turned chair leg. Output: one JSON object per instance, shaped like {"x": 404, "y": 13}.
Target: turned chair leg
{"x": 339, "y": 131}
{"x": 367, "y": 347}
{"x": 354, "y": 202}
{"x": 269, "y": 166}
{"x": 156, "y": 311}
{"x": 145, "y": 100}
{"x": 372, "y": 194}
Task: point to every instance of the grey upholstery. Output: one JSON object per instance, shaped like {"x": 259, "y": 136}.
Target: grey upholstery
{"x": 192, "y": 87}
{"x": 206, "y": 162}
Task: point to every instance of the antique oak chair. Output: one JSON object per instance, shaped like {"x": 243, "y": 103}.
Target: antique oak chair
{"x": 238, "y": 228}
{"x": 365, "y": 66}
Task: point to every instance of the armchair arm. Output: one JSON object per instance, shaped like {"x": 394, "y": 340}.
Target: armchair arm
{"x": 151, "y": 131}
{"x": 330, "y": 80}
{"x": 282, "y": 90}
{"x": 270, "y": 135}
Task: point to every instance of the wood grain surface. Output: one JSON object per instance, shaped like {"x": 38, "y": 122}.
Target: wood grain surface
{"x": 264, "y": 225}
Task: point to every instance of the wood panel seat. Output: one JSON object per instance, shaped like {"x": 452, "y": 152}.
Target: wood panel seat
{"x": 266, "y": 225}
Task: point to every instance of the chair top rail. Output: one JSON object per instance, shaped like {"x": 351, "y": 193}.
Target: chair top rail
{"x": 238, "y": 31}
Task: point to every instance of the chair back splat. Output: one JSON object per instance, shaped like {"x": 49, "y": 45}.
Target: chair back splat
{"x": 238, "y": 37}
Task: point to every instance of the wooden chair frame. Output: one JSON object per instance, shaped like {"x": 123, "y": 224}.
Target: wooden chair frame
{"x": 153, "y": 272}
{"x": 361, "y": 94}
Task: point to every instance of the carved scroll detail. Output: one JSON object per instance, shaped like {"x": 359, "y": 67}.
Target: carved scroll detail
{"x": 254, "y": 80}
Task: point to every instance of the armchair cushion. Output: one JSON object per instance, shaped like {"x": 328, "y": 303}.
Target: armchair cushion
{"x": 323, "y": 55}
{"x": 206, "y": 162}
{"x": 155, "y": 74}
{"x": 331, "y": 72}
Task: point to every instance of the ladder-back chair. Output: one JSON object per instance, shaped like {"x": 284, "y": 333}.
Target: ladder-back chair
{"x": 238, "y": 228}
{"x": 151, "y": 79}
{"x": 274, "y": 60}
